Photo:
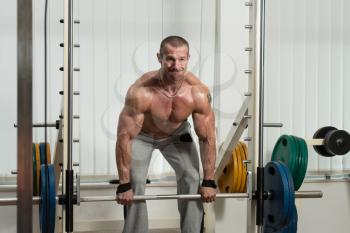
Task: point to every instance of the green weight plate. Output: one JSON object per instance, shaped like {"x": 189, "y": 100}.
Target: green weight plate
{"x": 285, "y": 151}
{"x": 304, "y": 163}
{"x": 297, "y": 158}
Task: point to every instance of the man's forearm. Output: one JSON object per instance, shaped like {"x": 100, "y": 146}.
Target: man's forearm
{"x": 208, "y": 156}
{"x": 123, "y": 157}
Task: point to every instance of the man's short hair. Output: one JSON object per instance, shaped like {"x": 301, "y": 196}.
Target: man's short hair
{"x": 174, "y": 41}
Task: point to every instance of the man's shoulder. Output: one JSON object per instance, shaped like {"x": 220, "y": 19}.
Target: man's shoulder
{"x": 142, "y": 88}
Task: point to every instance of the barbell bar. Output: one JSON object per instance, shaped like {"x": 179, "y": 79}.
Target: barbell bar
{"x": 36, "y": 200}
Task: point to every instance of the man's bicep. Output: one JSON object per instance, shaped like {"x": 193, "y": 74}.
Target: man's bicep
{"x": 130, "y": 122}
{"x": 204, "y": 124}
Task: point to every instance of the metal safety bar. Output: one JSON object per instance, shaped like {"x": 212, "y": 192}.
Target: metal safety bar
{"x": 36, "y": 200}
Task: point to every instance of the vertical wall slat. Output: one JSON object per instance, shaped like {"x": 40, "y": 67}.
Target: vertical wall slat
{"x": 86, "y": 102}
{"x": 324, "y": 92}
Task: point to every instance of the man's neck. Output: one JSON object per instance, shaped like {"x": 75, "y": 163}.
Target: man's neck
{"x": 169, "y": 84}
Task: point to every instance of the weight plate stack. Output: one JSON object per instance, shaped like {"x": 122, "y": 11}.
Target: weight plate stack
{"x": 37, "y": 167}
{"x": 236, "y": 174}
{"x": 47, "y": 206}
{"x": 35, "y": 181}
{"x": 52, "y": 198}
{"x": 44, "y": 200}
{"x": 239, "y": 156}
{"x": 43, "y": 153}
{"x": 285, "y": 150}
{"x": 292, "y": 227}
{"x": 225, "y": 180}
{"x": 245, "y": 172}
{"x": 303, "y": 162}
{"x": 278, "y": 208}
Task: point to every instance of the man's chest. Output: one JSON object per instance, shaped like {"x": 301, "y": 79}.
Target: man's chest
{"x": 174, "y": 109}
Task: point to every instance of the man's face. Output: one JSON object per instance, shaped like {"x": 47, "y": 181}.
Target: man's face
{"x": 174, "y": 61}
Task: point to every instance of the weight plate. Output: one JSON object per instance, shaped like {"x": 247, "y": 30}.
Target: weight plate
{"x": 42, "y": 153}
{"x": 52, "y": 199}
{"x": 48, "y": 153}
{"x": 225, "y": 180}
{"x": 240, "y": 166}
{"x": 285, "y": 151}
{"x": 337, "y": 142}
{"x": 245, "y": 173}
{"x": 303, "y": 165}
{"x": 38, "y": 164}
{"x": 35, "y": 184}
{"x": 297, "y": 158}
{"x": 291, "y": 188}
{"x": 236, "y": 181}
{"x": 290, "y": 228}
{"x": 321, "y": 133}
{"x": 44, "y": 200}
{"x": 276, "y": 208}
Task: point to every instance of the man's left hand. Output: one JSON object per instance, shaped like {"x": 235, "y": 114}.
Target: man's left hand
{"x": 208, "y": 194}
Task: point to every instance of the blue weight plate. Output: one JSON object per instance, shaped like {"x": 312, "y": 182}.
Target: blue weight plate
{"x": 34, "y": 171}
{"x": 291, "y": 193}
{"x": 52, "y": 199}
{"x": 42, "y": 153}
{"x": 276, "y": 208}
{"x": 292, "y": 227}
{"x": 43, "y": 207}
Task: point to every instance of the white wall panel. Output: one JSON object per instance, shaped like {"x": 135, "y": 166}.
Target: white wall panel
{"x": 346, "y": 73}
{"x": 8, "y": 87}
{"x": 305, "y": 52}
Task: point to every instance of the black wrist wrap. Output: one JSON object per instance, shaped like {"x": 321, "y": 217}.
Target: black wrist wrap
{"x": 123, "y": 187}
{"x": 209, "y": 183}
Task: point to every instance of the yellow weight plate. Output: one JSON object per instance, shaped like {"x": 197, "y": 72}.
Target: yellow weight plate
{"x": 37, "y": 157}
{"x": 48, "y": 153}
{"x": 241, "y": 172}
{"x": 240, "y": 166}
{"x": 244, "y": 172}
{"x": 235, "y": 170}
{"x": 225, "y": 180}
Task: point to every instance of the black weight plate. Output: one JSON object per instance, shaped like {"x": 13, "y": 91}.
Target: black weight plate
{"x": 321, "y": 134}
{"x": 337, "y": 142}
{"x": 276, "y": 208}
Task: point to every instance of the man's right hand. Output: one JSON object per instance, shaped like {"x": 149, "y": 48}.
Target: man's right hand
{"x": 125, "y": 198}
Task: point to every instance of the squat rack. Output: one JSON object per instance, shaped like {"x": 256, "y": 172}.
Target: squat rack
{"x": 255, "y": 110}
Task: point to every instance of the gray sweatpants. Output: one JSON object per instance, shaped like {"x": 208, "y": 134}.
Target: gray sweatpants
{"x": 181, "y": 153}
